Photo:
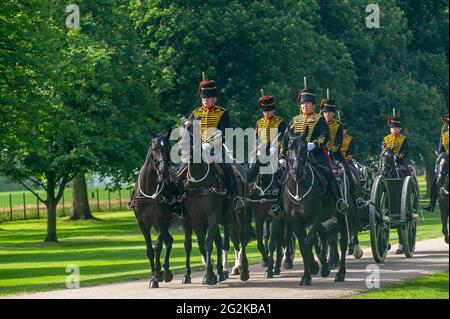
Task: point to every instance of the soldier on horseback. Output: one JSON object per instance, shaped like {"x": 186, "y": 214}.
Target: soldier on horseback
{"x": 318, "y": 137}
{"x": 270, "y": 132}
{"x": 398, "y": 143}
{"x": 334, "y": 144}
{"x": 212, "y": 119}
{"x": 442, "y": 150}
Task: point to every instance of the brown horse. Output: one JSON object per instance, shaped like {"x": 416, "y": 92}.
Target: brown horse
{"x": 153, "y": 202}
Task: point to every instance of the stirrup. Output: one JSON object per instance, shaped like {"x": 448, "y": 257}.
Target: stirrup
{"x": 341, "y": 205}
{"x": 272, "y": 211}
{"x": 238, "y": 203}
{"x": 361, "y": 203}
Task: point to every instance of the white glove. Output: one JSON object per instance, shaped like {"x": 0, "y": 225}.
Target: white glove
{"x": 395, "y": 157}
{"x": 206, "y": 147}
{"x": 283, "y": 163}
{"x": 311, "y": 146}
{"x": 273, "y": 150}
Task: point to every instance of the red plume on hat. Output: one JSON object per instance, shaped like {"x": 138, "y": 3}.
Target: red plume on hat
{"x": 322, "y": 104}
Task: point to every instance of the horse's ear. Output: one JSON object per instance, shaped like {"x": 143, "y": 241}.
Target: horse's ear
{"x": 169, "y": 132}
{"x": 151, "y": 133}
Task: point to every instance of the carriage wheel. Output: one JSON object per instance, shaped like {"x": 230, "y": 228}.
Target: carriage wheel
{"x": 379, "y": 219}
{"x": 409, "y": 209}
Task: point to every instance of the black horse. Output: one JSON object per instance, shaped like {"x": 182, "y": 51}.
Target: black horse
{"x": 308, "y": 204}
{"x": 351, "y": 189}
{"x": 153, "y": 201}
{"x": 442, "y": 180}
{"x": 264, "y": 191}
{"x": 206, "y": 202}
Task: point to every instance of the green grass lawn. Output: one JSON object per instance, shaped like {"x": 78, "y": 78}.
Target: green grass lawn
{"x": 109, "y": 249}
{"x": 428, "y": 287}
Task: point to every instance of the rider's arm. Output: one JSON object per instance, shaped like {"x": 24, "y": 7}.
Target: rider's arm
{"x": 284, "y": 144}
{"x": 441, "y": 148}
{"x": 323, "y": 133}
{"x": 351, "y": 150}
{"x": 281, "y": 130}
{"x": 224, "y": 123}
{"x": 404, "y": 150}
{"x": 338, "y": 140}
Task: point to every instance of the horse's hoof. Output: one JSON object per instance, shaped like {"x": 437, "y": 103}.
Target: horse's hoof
{"x": 351, "y": 251}
{"x": 358, "y": 253}
{"x": 154, "y": 284}
{"x": 446, "y": 240}
{"x": 168, "y": 276}
{"x": 226, "y": 273}
{"x": 245, "y": 275}
{"x": 186, "y": 280}
{"x": 340, "y": 277}
{"x": 389, "y": 246}
{"x": 235, "y": 271}
{"x": 160, "y": 276}
{"x": 264, "y": 263}
{"x": 325, "y": 272}
{"x": 268, "y": 275}
{"x": 288, "y": 265}
{"x": 277, "y": 271}
{"x": 306, "y": 281}
{"x": 333, "y": 263}
{"x": 315, "y": 268}
{"x": 221, "y": 277}
{"x": 210, "y": 280}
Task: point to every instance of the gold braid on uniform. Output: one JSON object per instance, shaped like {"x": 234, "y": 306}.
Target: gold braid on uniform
{"x": 395, "y": 142}
{"x": 209, "y": 120}
{"x": 445, "y": 137}
{"x": 301, "y": 121}
{"x": 268, "y": 129}
{"x": 334, "y": 127}
{"x": 345, "y": 145}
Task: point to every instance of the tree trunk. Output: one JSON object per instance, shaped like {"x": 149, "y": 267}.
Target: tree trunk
{"x": 81, "y": 208}
{"x": 51, "y": 219}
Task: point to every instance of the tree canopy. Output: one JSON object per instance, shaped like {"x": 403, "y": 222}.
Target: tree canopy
{"x": 82, "y": 99}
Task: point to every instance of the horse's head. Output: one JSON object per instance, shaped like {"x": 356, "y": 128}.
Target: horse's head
{"x": 442, "y": 171}
{"x": 297, "y": 153}
{"x": 387, "y": 162}
{"x": 159, "y": 156}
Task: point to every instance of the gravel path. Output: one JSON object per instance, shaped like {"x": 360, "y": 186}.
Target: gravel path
{"x": 431, "y": 256}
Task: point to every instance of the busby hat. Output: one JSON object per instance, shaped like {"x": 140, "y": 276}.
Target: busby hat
{"x": 328, "y": 105}
{"x": 267, "y": 103}
{"x": 394, "y": 122}
{"x": 306, "y": 95}
{"x": 208, "y": 88}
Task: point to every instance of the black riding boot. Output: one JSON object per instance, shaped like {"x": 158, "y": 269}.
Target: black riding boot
{"x": 230, "y": 180}
{"x": 433, "y": 197}
{"x": 341, "y": 203}
{"x": 277, "y": 209}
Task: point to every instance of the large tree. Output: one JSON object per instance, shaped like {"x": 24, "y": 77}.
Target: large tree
{"x": 74, "y": 101}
